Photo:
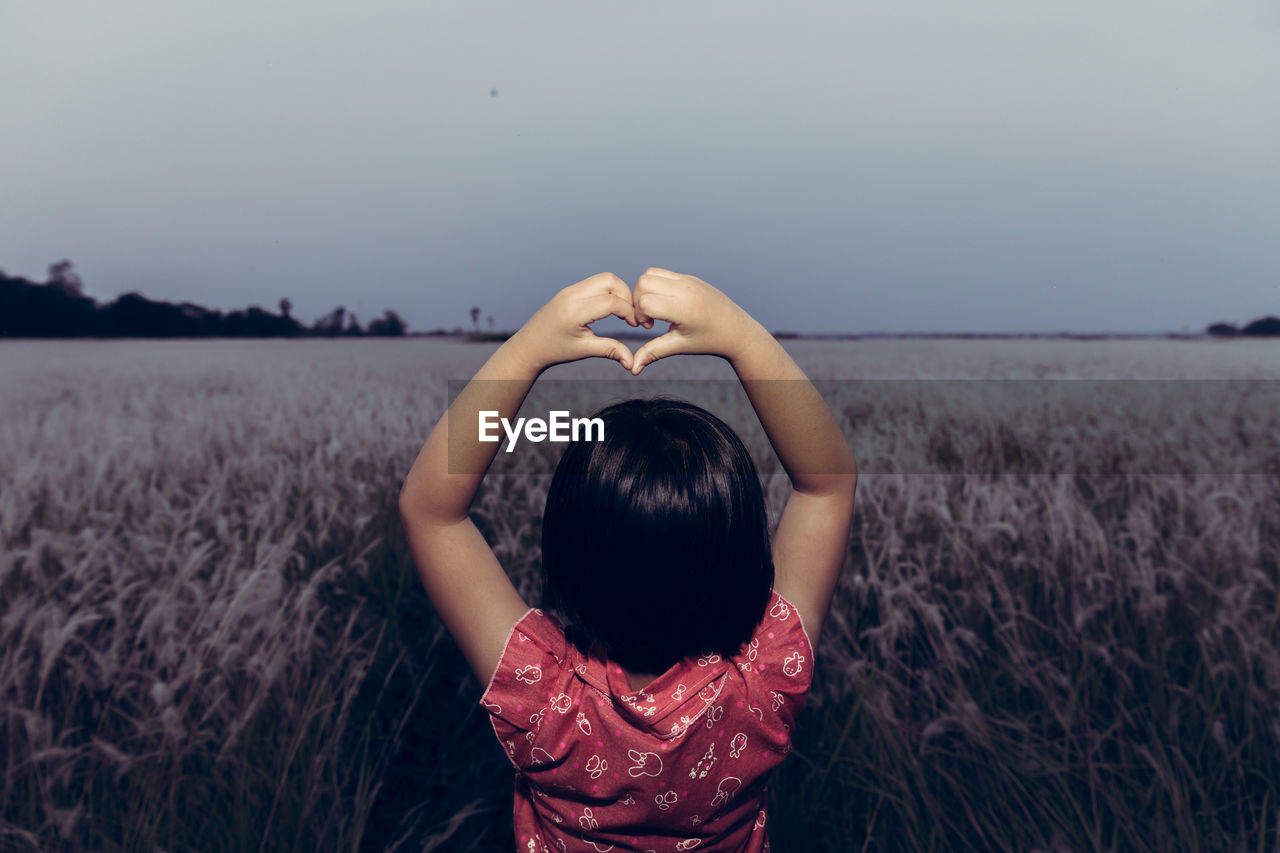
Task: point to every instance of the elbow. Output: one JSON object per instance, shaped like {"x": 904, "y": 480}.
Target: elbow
{"x": 838, "y": 482}
{"x": 419, "y": 507}
{"x": 845, "y": 486}
{"x": 847, "y": 478}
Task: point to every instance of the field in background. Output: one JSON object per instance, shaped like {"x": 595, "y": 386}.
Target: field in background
{"x": 211, "y": 636}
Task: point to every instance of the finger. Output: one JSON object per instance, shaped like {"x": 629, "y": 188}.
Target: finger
{"x": 610, "y": 348}
{"x": 662, "y": 273}
{"x": 641, "y": 318}
{"x": 604, "y": 282}
{"x": 651, "y": 305}
{"x": 615, "y": 286}
{"x": 655, "y": 282}
{"x": 603, "y": 304}
{"x": 660, "y": 347}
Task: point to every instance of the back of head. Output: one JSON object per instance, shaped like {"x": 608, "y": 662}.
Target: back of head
{"x": 655, "y": 540}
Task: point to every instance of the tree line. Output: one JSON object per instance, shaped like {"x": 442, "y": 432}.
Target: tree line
{"x": 1263, "y": 326}
{"x": 59, "y": 308}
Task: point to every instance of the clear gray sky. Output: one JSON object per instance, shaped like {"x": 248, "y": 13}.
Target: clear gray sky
{"x": 917, "y": 165}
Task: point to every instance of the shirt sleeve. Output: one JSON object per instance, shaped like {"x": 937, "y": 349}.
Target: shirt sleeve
{"x": 531, "y": 671}
{"x": 783, "y": 662}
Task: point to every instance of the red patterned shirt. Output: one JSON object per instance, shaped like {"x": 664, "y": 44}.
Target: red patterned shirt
{"x": 680, "y": 765}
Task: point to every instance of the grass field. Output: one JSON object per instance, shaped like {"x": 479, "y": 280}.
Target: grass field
{"x": 211, "y": 636}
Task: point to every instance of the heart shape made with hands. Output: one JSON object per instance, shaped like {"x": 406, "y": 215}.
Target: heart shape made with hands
{"x": 676, "y": 293}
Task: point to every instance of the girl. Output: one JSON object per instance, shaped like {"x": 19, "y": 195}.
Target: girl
{"x": 645, "y": 707}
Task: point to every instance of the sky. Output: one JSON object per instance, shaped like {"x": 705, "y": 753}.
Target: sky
{"x": 914, "y": 166}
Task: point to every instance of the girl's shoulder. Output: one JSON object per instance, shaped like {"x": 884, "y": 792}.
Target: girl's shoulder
{"x": 780, "y": 631}
{"x": 536, "y": 643}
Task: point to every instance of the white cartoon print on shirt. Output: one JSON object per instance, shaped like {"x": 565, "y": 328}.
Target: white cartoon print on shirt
{"x": 596, "y": 765}
{"x": 791, "y": 666}
{"x": 666, "y": 801}
{"x": 704, "y": 765}
{"x": 714, "y": 713}
{"x": 688, "y": 844}
{"x": 588, "y": 822}
{"x": 711, "y": 692}
{"x": 681, "y": 727}
{"x": 529, "y": 674}
{"x": 539, "y": 756}
{"x": 678, "y": 694}
{"x": 780, "y": 611}
{"x": 646, "y": 763}
{"x": 753, "y": 648}
{"x": 707, "y": 660}
{"x": 492, "y": 707}
{"x": 736, "y": 745}
{"x": 583, "y": 723}
{"x": 646, "y": 711}
{"x": 776, "y": 699}
{"x": 561, "y": 704}
{"x": 728, "y": 786}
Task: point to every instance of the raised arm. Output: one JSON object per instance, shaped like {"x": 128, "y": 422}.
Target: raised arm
{"x": 470, "y": 590}
{"x": 812, "y": 535}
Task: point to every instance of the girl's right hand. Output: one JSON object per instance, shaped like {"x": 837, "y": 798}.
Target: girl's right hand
{"x": 560, "y": 331}
{"x": 703, "y": 320}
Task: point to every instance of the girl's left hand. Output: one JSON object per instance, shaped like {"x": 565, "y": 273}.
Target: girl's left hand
{"x": 560, "y": 330}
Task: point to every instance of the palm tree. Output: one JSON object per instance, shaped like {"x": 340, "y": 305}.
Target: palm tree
{"x": 475, "y": 318}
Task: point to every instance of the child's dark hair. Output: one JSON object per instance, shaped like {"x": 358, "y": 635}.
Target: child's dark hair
{"x": 655, "y": 540}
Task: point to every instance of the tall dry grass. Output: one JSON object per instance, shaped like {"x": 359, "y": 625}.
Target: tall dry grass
{"x": 211, "y": 636}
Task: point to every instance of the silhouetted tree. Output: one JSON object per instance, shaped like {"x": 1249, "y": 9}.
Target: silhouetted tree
{"x": 1222, "y": 329}
{"x": 132, "y": 315}
{"x": 475, "y": 317}
{"x": 332, "y": 323}
{"x": 1263, "y": 326}
{"x": 58, "y": 309}
{"x": 200, "y": 322}
{"x": 388, "y": 325}
{"x": 64, "y": 278}
{"x": 30, "y": 310}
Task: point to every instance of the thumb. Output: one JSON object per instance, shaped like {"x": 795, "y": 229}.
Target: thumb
{"x": 660, "y": 347}
{"x": 611, "y": 348}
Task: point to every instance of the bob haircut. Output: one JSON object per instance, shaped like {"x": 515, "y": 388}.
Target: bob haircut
{"x": 655, "y": 540}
